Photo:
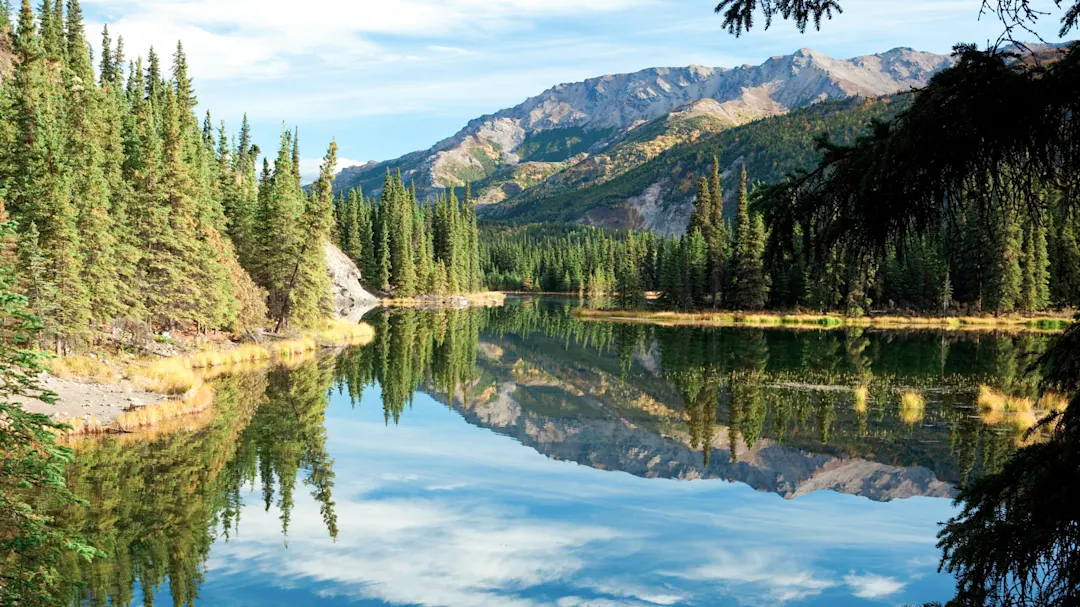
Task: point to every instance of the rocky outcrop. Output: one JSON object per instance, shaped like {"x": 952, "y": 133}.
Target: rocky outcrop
{"x": 351, "y": 300}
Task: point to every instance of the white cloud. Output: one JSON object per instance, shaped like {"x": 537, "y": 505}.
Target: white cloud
{"x": 452, "y": 50}
{"x": 873, "y": 586}
{"x": 257, "y": 39}
{"x": 412, "y": 551}
{"x": 309, "y": 167}
{"x": 769, "y": 576}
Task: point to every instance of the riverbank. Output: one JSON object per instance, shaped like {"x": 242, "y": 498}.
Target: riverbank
{"x": 1037, "y": 324}
{"x": 99, "y": 394}
{"x": 484, "y": 299}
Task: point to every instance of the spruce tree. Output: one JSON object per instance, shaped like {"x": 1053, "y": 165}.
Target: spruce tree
{"x": 309, "y": 291}
{"x": 749, "y": 288}
{"x": 1029, "y": 292}
{"x": 631, "y": 296}
{"x": 1006, "y": 281}
{"x": 1042, "y": 267}
{"x": 85, "y": 157}
{"x": 279, "y": 230}
{"x": 40, "y": 189}
{"x": 701, "y": 216}
{"x": 717, "y": 239}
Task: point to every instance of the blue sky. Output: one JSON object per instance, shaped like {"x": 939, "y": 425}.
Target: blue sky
{"x": 386, "y": 77}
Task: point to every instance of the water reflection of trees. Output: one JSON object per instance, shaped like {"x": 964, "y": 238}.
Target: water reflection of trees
{"x": 157, "y": 505}
{"x": 413, "y": 349}
{"x": 900, "y": 398}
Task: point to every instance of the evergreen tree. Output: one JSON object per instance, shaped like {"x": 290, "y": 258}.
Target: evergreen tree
{"x": 749, "y": 288}
{"x": 309, "y": 290}
{"x": 1006, "y": 281}
{"x": 701, "y": 217}
{"x": 631, "y": 295}
{"x": 40, "y": 189}
{"x": 717, "y": 239}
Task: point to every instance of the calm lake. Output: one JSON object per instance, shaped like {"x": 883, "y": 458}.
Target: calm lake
{"x": 520, "y": 456}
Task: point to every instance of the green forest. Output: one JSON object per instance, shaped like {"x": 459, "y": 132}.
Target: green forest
{"x": 750, "y": 259}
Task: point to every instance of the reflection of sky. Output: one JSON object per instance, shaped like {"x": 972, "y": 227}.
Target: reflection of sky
{"x": 437, "y": 512}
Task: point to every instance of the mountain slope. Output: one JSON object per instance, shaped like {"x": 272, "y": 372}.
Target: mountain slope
{"x": 624, "y": 119}
{"x": 658, "y": 195}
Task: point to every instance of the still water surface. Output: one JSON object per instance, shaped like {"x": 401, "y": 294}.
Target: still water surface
{"x": 519, "y": 456}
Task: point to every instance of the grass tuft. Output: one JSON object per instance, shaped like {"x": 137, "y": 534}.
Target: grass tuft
{"x": 87, "y": 367}
{"x": 862, "y": 397}
{"x": 912, "y": 407}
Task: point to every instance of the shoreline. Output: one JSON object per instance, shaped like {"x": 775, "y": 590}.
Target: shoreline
{"x": 1043, "y": 323}
{"x": 95, "y": 397}
{"x": 485, "y": 299}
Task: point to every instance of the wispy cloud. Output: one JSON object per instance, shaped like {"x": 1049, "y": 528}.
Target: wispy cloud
{"x": 873, "y": 586}
{"x": 416, "y": 552}
{"x": 766, "y": 574}
{"x": 255, "y": 39}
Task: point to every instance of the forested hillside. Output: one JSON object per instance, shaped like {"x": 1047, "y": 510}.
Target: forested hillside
{"x": 132, "y": 214}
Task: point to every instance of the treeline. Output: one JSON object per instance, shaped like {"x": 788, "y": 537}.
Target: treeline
{"x": 1001, "y": 262}
{"x": 132, "y": 213}
{"x": 406, "y": 248}
{"x": 715, "y": 264}
{"x": 974, "y": 263}
{"x": 561, "y": 258}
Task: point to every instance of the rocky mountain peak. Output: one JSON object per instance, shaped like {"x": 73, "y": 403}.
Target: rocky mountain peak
{"x": 590, "y": 116}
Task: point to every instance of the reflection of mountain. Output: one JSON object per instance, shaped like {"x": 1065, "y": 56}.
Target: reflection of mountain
{"x": 614, "y": 443}
{"x": 874, "y": 413}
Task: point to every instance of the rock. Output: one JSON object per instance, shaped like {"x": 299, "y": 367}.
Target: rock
{"x": 351, "y": 300}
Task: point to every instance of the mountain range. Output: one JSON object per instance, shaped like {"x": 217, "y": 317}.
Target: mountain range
{"x": 572, "y": 138}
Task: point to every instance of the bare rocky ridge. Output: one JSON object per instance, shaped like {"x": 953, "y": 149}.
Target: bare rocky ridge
{"x": 601, "y": 112}
{"x": 351, "y": 300}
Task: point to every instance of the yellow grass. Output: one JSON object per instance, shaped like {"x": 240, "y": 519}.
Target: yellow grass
{"x": 199, "y": 399}
{"x": 344, "y": 333}
{"x": 912, "y": 407}
{"x": 334, "y": 333}
{"x": 69, "y": 367}
{"x": 241, "y": 354}
{"x": 185, "y": 376}
{"x": 1043, "y": 324}
{"x": 1053, "y": 402}
{"x": 482, "y": 298}
{"x": 862, "y": 397}
{"x": 170, "y": 376}
{"x": 998, "y": 408}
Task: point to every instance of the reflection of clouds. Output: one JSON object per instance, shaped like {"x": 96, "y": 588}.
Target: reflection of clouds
{"x": 438, "y": 512}
{"x": 622, "y": 587}
{"x": 873, "y": 586}
{"x": 760, "y": 575}
{"x": 413, "y": 551}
